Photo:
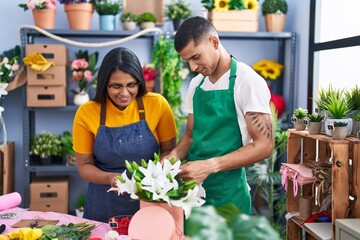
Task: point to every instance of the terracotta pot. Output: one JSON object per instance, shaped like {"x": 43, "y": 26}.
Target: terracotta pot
{"x": 314, "y": 127}
{"x": 150, "y": 85}
{"x": 299, "y": 126}
{"x": 44, "y": 18}
{"x": 275, "y": 22}
{"x": 79, "y": 15}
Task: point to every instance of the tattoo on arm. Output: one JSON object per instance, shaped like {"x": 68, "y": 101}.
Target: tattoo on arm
{"x": 263, "y": 123}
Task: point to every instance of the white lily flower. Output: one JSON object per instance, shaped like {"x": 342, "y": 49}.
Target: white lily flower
{"x": 172, "y": 170}
{"x": 129, "y": 186}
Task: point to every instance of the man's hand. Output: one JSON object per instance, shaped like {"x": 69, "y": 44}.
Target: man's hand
{"x": 198, "y": 170}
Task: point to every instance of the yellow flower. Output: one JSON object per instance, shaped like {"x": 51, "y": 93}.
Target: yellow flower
{"x": 268, "y": 69}
{"x": 251, "y": 4}
{"x": 221, "y": 5}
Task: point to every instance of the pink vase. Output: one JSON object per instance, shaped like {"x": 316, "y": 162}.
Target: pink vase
{"x": 157, "y": 221}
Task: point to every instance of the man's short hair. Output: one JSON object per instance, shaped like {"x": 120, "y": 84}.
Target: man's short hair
{"x": 194, "y": 28}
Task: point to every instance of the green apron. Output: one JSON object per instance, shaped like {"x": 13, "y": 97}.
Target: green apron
{"x": 216, "y": 132}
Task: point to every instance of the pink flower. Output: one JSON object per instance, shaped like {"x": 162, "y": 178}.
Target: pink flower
{"x": 51, "y": 4}
{"x": 15, "y": 67}
{"x": 5, "y": 60}
{"x": 88, "y": 75}
{"x": 31, "y": 4}
{"x": 77, "y": 75}
{"x": 79, "y": 64}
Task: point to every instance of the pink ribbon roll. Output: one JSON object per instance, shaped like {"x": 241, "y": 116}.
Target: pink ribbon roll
{"x": 10, "y": 200}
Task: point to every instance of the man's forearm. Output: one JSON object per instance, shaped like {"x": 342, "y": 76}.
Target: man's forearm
{"x": 182, "y": 148}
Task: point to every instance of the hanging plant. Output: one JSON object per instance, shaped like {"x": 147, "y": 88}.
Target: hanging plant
{"x": 170, "y": 66}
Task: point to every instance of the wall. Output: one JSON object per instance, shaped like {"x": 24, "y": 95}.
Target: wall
{"x": 12, "y": 17}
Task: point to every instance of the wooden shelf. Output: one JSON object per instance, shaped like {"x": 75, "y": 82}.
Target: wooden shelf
{"x": 345, "y": 157}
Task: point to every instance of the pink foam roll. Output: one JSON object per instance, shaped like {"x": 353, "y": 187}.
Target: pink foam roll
{"x": 10, "y": 200}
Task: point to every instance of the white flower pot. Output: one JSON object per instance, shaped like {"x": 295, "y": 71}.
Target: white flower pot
{"x": 81, "y": 98}
{"x": 79, "y": 213}
{"x": 130, "y": 26}
{"x": 347, "y": 120}
{"x": 145, "y": 25}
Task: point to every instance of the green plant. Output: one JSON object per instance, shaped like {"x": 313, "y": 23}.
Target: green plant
{"x": 353, "y": 98}
{"x": 108, "y": 7}
{"x": 178, "y": 9}
{"x": 80, "y": 202}
{"x": 146, "y": 17}
{"x": 67, "y": 143}
{"x": 340, "y": 124}
{"x": 128, "y": 17}
{"x": 274, "y": 6}
{"x": 170, "y": 66}
{"x": 357, "y": 117}
{"x": 325, "y": 94}
{"x": 300, "y": 113}
{"x": 230, "y": 4}
{"x": 46, "y": 144}
{"x": 227, "y": 223}
{"x": 337, "y": 107}
{"x": 314, "y": 117}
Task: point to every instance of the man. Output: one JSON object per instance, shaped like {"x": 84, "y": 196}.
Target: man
{"x": 229, "y": 122}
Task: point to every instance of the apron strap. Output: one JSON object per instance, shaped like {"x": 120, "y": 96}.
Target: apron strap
{"x": 233, "y": 70}
{"x": 141, "y": 108}
{"x": 103, "y": 113}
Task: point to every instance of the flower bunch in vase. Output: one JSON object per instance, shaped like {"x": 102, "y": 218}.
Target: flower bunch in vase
{"x": 9, "y": 68}
{"x": 155, "y": 182}
{"x": 150, "y": 74}
{"x": 270, "y": 70}
{"x": 83, "y": 71}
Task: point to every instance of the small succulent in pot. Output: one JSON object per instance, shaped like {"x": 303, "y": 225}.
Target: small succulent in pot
{"x": 314, "y": 117}
{"x": 298, "y": 118}
{"x": 314, "y": 123}
{"x": 300, "y": 113}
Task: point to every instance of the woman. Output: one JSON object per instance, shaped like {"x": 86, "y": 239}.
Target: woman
{"x": 123, "y": 122}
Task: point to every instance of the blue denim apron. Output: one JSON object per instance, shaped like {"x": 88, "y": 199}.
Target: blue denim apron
{"x": 114, "y": 145}
{"x": 216, "y": 132}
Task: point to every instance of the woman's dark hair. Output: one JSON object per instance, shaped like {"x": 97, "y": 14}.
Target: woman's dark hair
{"x": 118, "y": 59}
{"x": 194, "y": 28}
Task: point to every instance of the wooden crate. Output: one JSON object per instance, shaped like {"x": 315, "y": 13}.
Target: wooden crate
{"x": 7, "y": 173}
{"x": 302, "y": 145}
{"x": 235, "y": 20}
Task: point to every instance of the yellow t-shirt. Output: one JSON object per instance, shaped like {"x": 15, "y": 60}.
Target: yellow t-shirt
{"x": 158, "y": 116}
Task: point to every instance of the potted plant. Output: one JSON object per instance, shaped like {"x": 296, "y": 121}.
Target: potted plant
{"x": 107, "y": 10}
{"x": 299, "y": 115}
{"x": 79, "y": 13}
{"x": 338, "y": 109}
{"x": 356, "y": 124}
{"x": 128, "y": 20}
{"x": 338, "y": 130}
{"x": 274, "y": 12}
{"x": 177, "y": 11}
{"x": 46, "y": 146}
{"x": 67, "y": 143}
{"x": 313, "y": 122}
{"x": 146, "y": 20}
{"x": 44, "y": 12}
{"x": 80, "y": 205}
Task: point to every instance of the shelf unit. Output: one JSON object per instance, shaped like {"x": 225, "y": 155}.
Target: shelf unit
{"x": 304, "y": 147}
{"x": 31, "y": 36}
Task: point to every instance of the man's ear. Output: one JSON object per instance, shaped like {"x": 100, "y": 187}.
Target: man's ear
{"x": 214, "y": 41}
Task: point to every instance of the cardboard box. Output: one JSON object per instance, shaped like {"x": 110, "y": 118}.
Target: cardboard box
{"x": 52, "y": 76}
{"x": 139, "y": 6}
{"x": 49, "y": 190}
{"x": 56, "y": 53}
{"x": 49, "y": 207}
{"x": 46, "y": 96}
{"x": 235, "y": 20}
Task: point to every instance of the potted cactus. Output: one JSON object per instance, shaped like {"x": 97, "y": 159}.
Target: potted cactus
{"x": 298, "y": 118}
{"x": 313, "y": 122}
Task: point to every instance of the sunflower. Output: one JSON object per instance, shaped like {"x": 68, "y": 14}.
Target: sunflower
{"x": 221, "y": 5}
{"x": 251, "y": 4}
{"x": 268, "y": 69}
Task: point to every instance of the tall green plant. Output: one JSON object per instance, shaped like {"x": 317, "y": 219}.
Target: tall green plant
{"x": 268, "y": 184}
{"x": 325, "y": 94}
{"x": 169, "y": 64}
{"x": 353, "y": 98}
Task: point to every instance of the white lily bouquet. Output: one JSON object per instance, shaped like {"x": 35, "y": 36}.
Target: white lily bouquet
{"x": 156, "y": 182}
